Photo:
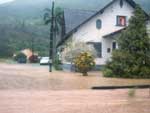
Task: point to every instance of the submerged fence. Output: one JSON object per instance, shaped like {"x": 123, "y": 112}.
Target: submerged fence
{"x": 122, "y": 87}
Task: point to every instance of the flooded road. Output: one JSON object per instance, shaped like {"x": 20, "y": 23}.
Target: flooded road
{"x": 16, "y": 76}
{"x": 32, "y": 89}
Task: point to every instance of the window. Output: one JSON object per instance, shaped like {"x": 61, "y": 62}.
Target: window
{"x": 98, "y": 24}
{"x": 98, "y": 48}
{"x": 108, "y": 50}
{"x": 121, "y": 3}
{"x": 114, "y": 45}
{"x": 121, "y": 20}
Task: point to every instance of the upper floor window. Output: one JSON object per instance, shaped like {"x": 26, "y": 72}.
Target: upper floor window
{"x": 98, "y": 24}
{"x": 121, "y": 21}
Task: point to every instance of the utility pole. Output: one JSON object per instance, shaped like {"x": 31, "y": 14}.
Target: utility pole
{"x": 32, "y": 46}
{"x": 51, "y": 39}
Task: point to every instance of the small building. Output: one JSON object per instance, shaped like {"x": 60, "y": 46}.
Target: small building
{"x": 28, "y": 53}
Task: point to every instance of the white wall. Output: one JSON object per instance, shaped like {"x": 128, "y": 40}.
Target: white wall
{"x": 89, "y": 32}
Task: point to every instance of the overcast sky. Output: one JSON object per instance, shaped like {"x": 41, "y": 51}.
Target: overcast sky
{"x": 5, "y": 1}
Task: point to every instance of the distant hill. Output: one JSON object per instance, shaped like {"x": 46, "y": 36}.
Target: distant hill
{"x": 29, "y": 8}
{"x": 20, "y": 37}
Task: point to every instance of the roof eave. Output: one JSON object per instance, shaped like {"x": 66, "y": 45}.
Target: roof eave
{"x": 114, "y": 33}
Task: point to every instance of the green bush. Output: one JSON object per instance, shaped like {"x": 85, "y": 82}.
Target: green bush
{"x": 57, "y": 63}
{"x": 125, "y": 66}
{"x": 108, "y": 73}
{"x": 84, "y": 63}
{"x": 145, "y": 72}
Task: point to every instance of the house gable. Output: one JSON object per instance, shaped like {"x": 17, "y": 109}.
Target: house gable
{"x": 89, "y": 32}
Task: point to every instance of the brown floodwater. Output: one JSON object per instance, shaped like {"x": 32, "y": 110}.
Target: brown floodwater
{"x": 17, "y": 76}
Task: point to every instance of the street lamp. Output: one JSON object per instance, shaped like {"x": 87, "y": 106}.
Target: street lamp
{"x": 51, "y": 38}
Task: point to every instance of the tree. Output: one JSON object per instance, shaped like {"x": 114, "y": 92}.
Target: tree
{"x": 58, "y": 18}
{"x": 132, "y": 59}
{"x": 59, "y": 24}
{"x": 5, "y": 49}
{"x": 74, "y": 49}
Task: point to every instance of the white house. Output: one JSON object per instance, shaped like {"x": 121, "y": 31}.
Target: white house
{"x": 101, "y": 28}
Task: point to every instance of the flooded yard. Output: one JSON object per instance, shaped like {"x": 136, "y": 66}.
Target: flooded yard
{"x": 32, "y": 89}
{"x": 16, "y": 76}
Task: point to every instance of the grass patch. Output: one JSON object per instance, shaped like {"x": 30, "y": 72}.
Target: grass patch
{"x": 7, "y": 60}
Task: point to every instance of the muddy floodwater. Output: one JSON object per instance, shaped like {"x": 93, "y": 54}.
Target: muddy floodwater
{"x": 16, "y": 76}
{"x": 32, "y": 89}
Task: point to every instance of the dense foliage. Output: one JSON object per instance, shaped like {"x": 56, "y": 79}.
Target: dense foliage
{"x": 5, "y": 49}
{"x": 132, "y": 59}
{"x": 84, "y": 63}
{"x": 16, "y": 37}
